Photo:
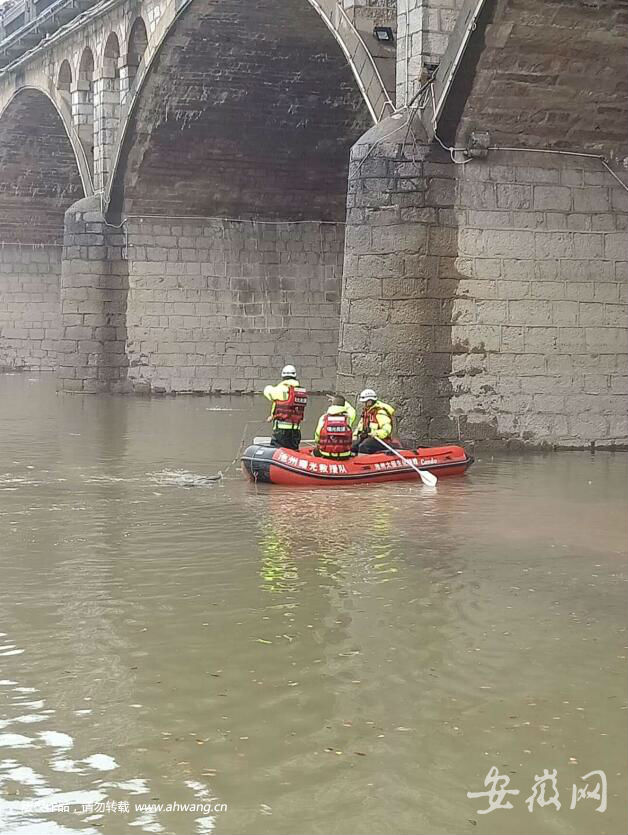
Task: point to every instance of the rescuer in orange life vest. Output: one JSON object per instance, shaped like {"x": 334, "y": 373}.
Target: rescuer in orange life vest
{"x": 289, "y": 401}
{"x": 333, "y": 434}
{"x": 375, "y": 425}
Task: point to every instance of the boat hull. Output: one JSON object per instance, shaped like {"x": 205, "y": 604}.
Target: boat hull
{"x": 275, "y": 465}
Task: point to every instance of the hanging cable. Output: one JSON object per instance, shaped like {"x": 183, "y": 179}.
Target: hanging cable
{"x": 612, "y": 173}
{"x": 452, "y": 150}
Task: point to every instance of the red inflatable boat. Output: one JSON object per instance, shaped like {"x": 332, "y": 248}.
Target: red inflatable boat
{"x": 275, "y": 465}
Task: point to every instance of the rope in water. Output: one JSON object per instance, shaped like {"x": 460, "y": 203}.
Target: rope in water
{"x": 220, "y": 475}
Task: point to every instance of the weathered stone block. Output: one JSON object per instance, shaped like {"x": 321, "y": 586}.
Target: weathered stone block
{"x": 367, "y": 365}
{"x": 531, "y": 174}
{"x": 554, "y": 244}
{"x": 513, "y": 289}
{"x": 519, "y": 269}
{"x": 587, "y": 245}
{"x": 552, "y": 403}
{"x": 358, "y": 240}
{"x": 540, "y": 339}
{"x": 553, "y": 198}
{"x": 491, "y": 312}
{"x": 480, "y": 337}
{"x": 421, "y": 311}
{"x": 588, "y": 427}
{"x": 565, "y": 312}
{"x": 606, "y": 292}
{"x": 529, "y": 312}
{"x": 369, "y": 312}
{"x": 380, "y": 266}
{"x": 572, "y": 177}
{"x": 616, "y": 246}
{"x": 606, "y": 339}
{"x": 478, "y": 195}
{"x": 618, "y": 427}
{"x": 619, "y": 200}
{"x": 354, "y": 337}
{"x": 511, "y": 196}
{"x": 488, "y": 219}
{"x": 77, "y": 332}
{"x": 580, "y": 222}
{"x": 443, "y": 241}
{"x": 592, "y": 314}
{"x": 399, "y": 238}
{"x": 591, "y": 200}
{"x": 619, "y": 385}
{"x": 616, "y": 315}
{"x": 362, "y": 288}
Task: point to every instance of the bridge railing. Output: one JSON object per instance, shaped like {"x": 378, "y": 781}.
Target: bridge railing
{"x": 15, "y": 43}
{"x": 360, "y": 58}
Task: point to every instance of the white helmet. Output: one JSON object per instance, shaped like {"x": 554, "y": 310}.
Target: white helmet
{"x": 288, "y": 371}
{"x": 367, "y": 394}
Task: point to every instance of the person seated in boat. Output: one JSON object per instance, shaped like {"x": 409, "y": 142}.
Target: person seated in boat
{"x": 289, "y": 401}
{"x": 333, "y": 434}
{"x": 375, "y": 425}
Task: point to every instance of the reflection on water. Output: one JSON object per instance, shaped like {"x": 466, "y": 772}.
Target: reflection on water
{"x": 338, "y": 661}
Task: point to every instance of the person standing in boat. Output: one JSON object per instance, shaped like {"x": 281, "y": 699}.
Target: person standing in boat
{"x": 333, "y": 434}
{"x": 289, "y": 401}
{"x": 375, "y": 424}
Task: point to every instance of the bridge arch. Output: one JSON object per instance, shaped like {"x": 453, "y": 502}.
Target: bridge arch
{"x": 233, "y": 171}
{"x": 39, "y": 180}
{"x": 111, "y": 50}
{"x": 333, "y": 81}
{"x": 136, "y": 46}
{"x": 32, "y": 113}
{"x": 64, "y": 76}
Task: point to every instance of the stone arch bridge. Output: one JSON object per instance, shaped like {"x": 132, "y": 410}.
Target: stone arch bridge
{"x": 192, "y": 193}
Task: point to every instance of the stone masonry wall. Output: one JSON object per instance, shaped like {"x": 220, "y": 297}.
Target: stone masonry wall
{"x": 222, "y": 305}
{"x": 487, "y": 300}
{"x": 539, "y": 323}
{"x": 29, "y": 306}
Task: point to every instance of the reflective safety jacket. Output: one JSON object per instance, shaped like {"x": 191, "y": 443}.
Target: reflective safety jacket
{"x": 377, "y": 421}
{"x": 289, "y": 401}
{"x": 333, "y": 434}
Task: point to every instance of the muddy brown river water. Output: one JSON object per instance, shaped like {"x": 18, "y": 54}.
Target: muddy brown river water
{"x": 182, "y": 657}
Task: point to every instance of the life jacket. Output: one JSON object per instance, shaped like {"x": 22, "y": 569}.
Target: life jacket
{"x": 336, "y": 436}
{"x": 291, "y": 410}
{"x": 370, "y": 415}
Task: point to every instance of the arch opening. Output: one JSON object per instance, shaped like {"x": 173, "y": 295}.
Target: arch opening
{"x": 39, "y": 181}
{"x": 64, "y": 78}
{"x": 112, "y": 48}
{"x": 136, "y": 48}
{"x": 239, "y": 117}
{"x": 241, "y": 103}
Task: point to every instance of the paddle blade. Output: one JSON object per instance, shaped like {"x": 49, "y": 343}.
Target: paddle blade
{"x": 428, "y": 478}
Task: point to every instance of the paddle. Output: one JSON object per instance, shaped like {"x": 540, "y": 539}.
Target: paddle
{"x": 427, "y": 478}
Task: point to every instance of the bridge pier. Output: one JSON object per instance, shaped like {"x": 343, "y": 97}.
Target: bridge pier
{"x": 487, "y": 298}
{"x": 399, "y": 279}
{"x": 106, "y": 122}
{"x": 83, "y": 117}
{"x": 94, "y": 289}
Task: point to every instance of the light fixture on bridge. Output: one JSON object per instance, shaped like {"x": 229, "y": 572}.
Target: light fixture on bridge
{"x": 384, "y": 34}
